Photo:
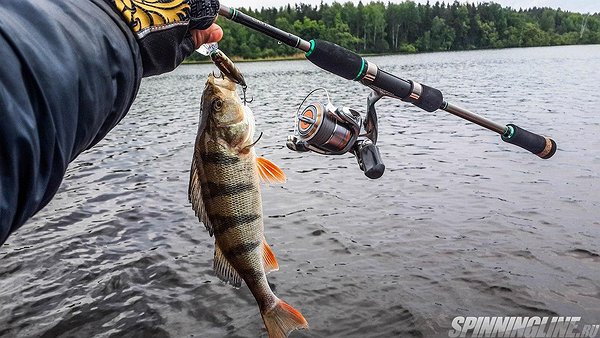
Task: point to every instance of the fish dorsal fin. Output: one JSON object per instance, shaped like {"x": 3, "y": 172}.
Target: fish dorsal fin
{"x": 195, "y": 193}
{"x": 269, "y": 260}
{"x": 269, "y": 172}
{"x": 224, "y": 270}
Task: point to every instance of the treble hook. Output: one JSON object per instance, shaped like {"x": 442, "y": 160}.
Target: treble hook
{"x": 245, "y": 98}
{"x": 221, "y": 75}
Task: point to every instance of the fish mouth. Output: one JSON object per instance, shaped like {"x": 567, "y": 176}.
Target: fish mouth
{"x": 221, "y": 81}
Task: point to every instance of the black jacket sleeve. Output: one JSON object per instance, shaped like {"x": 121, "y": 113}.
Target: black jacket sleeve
{"x": 69, "y": 71}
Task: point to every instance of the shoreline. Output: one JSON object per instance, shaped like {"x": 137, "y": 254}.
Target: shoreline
{"x": 300, "y": 56}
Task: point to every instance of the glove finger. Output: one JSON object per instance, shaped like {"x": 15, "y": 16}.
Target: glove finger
{"x": 214, "y": 33}
{"x": 203, "y": 13}
{"x": 187, "y": 47}
{"x": 201, "y": 23}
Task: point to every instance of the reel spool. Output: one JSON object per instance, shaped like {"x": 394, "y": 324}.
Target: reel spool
{"x": 327, "y": 130}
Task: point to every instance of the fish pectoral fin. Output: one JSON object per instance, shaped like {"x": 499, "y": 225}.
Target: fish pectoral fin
{"x": 224, "y": 270}
{"x": 195, "y": 193}
{"x": 269, "y": 172}
{"x": 269, "y": 260}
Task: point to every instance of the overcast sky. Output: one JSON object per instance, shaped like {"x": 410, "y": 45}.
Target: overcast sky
{"x": 581, "y": 6}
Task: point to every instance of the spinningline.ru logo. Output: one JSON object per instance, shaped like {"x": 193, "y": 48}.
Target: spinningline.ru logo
{"x": 521, "y": 327}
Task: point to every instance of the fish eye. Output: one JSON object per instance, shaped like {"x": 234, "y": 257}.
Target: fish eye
{"x": 217, "y": 104}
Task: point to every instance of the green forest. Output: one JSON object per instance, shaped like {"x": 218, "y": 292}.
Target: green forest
{"x": 407, "y": 27}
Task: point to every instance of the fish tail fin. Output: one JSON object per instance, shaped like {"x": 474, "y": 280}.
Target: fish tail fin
{"x": 283, "y": 319}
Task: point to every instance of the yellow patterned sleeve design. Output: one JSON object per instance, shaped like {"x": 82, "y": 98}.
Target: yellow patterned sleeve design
{"x": 144, "y": 16}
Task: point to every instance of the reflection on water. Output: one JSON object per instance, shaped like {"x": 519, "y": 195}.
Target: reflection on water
{"x": 460, "y": 224}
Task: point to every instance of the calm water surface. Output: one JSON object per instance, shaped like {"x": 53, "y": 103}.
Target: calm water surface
{"x": 460, "y": 224}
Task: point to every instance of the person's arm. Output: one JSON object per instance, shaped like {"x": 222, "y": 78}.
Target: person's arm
{"x": 70, "y": 71}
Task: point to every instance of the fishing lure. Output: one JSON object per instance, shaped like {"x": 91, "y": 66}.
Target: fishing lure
{"x": 229, "y": 69}
{"x": 225, "y": 65}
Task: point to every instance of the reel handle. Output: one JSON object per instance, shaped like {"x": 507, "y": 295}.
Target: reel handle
{"x": 543, "y": 147}
{"x": 369, "y": 159}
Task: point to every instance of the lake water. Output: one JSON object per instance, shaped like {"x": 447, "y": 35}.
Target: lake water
{"x": 460, "y": 224}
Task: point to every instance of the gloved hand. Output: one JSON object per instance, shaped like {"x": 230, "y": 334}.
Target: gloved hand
{"x": 168, "y": 31}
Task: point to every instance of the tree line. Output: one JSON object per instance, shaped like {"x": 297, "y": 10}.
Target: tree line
{"x": 408, "y": 27}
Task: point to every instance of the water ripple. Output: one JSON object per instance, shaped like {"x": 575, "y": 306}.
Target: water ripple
{"x": 460, "y": 224}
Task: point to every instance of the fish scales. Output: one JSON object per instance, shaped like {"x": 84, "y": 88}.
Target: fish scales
{"x": 225, "y": 194}
{"x": 242, "y": 202}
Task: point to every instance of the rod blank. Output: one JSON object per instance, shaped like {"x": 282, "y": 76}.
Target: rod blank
{"x": 477, "y": 119}
{"x": 263, "y": 27}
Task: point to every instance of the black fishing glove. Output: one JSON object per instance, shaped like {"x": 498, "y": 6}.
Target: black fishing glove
{"x": 162, "y": 29}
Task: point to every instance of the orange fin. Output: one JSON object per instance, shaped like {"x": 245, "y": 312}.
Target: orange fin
{"x": 269, "y": 172}
{"x": 283, "y": 319}
{"x": 269, "y": 260}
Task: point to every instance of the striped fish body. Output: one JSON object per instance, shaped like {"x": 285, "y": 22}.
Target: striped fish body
{"x": 232, "y": 203}
{"x": 225, "y": 193}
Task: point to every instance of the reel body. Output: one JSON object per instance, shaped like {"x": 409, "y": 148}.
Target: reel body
{"x": 328, "y": 130}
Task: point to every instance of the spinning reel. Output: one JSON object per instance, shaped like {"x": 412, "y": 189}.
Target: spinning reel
{"x": 329, "y": 130}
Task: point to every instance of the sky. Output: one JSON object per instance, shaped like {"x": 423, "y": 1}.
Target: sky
{"x": 581, "y": 6}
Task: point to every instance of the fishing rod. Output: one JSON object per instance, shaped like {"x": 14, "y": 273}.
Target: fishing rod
{"x": 351, "y": 66}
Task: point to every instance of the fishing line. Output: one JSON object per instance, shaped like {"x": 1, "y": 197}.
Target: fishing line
{"x": 299, "y": 116}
